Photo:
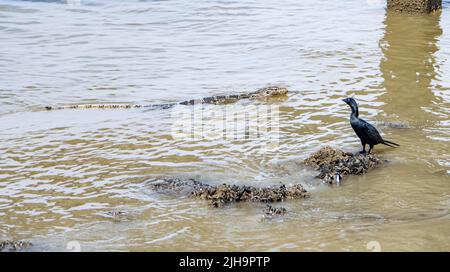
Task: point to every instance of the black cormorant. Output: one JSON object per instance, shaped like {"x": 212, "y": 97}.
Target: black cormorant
{"x": 367, "y": 133}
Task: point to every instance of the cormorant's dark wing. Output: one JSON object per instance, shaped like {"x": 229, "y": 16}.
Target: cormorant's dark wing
{"x": 371, "y": 133}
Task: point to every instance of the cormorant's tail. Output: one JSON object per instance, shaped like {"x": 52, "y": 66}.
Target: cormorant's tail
{"x": 389, "y": 143}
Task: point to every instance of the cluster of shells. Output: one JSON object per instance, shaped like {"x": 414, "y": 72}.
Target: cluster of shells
{"x": 175, "y": 184}
{"x": 224, "y": 193}
{"x": 332, "y": 163}
{"x": 218, "y": 195}
{"x": 118, "y": 216}
{"x": 271, "y": 211}
{"x": 9, "y": 245}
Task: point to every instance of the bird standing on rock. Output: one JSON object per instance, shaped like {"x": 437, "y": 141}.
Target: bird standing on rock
{"x": 367, "y": 133}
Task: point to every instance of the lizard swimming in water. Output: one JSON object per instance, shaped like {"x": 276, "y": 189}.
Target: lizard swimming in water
{"x": 217, "y": 100}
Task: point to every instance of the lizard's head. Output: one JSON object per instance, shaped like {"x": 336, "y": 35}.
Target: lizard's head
{"x": 272, "y": 91}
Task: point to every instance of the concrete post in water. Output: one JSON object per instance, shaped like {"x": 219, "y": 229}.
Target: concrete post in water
{"x": 414, "y": 6}
{"x": 409, "y": 66}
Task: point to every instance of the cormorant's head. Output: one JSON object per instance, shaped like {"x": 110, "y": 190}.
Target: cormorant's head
{"x": 352, "y": 103}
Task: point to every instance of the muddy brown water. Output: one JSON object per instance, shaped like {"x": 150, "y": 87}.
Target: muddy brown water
{"x": 63, "y": 172}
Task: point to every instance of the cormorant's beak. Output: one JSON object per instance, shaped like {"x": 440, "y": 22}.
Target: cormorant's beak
{"x": 345, "y": 100}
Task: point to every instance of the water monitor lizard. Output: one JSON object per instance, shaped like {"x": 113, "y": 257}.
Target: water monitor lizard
{"x": 218, "y": 100}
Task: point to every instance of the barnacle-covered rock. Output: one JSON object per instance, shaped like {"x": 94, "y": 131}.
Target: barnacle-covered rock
{"x": 396, "y": 125}
{"x": 118, "y": 216}
{"x": 224, "y": 193}
{"x": 10, "y": 245}
{"x": 175, "y": 184}
{"x": 218, "y": 195}
{"x": 271, "y": 211}
{"x": 333, "y": 164}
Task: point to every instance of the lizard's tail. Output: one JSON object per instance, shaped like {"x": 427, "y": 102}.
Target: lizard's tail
{"x": 111, "y": 106}
{"x": 96, "y": 106}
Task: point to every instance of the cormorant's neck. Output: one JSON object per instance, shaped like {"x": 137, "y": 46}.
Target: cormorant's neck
{"x": 355, "y": 111}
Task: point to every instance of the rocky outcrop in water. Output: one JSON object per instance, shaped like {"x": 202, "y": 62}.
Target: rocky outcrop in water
{"x": 395, "y": 125}
{"x": 218, "y": 195}
{"x": 271, "y": 211}
{"x": 331, "y": 164}
{"x": 334, "y": 163}
{"x": 224, "y": 193}
{"x": 118, "y": 216}
{"x": 9, "y": 245}
{"x": 175, "y": 184}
